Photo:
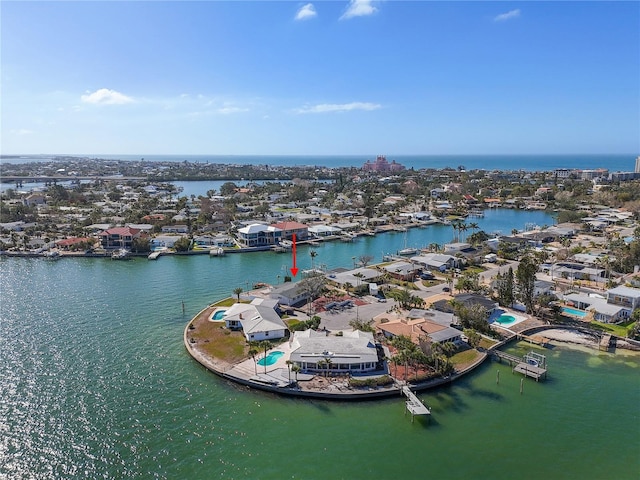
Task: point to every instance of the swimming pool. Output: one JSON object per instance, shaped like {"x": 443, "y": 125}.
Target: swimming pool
{"x": 218, "y": 315}
{"x": 270, "y": 359}
{"x": 574, "y": 312}
{"x": 505, "y": 319}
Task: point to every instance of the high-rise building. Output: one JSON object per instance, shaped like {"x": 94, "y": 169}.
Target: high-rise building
{"x": 637, "y": 170}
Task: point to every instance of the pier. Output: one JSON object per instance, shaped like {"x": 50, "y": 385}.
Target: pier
{"x": 605, "y": 343}
{"x": 532, "y": 365}
{"x": 413, "y": 404}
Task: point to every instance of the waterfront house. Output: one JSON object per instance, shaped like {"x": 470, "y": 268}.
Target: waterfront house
{"x": 356, "y": 277}
{"x": 259, "y": 235}
{"x": 467, "y": 300}
{"x": 258, "y": 320}
{"x": 422, "y": 327}
{"x": 288, "y": 229}
{"x": 436, "y": 261}
{"x": 73, "y": 243}
{"x": 288, "y": 293}
{"x": 353, "y": 352}
{"x": 119, "y": 237}
{"x": 602, "y": 310}
{"x": 322, "y": 230}
{"x": 627, "y": 297}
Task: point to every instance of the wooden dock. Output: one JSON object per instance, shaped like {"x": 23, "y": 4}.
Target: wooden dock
{"x": 533, "y": 365}
{"x": 413, "y": 404}
{"x": 605, "y": 342}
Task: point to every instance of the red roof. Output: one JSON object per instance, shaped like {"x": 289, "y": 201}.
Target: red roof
{"x": 122, "y": 231}
{"x": 67, "y": 242}
{"x": 290, "y": 225}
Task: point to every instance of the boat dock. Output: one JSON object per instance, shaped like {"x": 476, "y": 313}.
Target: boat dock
{"x": 413, "y": 404}
{"x": 605, "y": 342}
{"x": 532, "y": 365}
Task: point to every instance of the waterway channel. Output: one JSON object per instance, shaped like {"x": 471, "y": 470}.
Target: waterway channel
{"x": 96, "y": 383}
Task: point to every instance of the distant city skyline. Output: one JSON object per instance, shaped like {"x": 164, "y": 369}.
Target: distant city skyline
{"x": 320, "y": 78}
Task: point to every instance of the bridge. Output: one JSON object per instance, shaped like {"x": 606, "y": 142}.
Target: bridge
{"x": 62, "y": 178}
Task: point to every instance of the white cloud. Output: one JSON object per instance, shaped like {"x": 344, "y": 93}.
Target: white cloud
{"x": 306, "y": 12}
{"x": 338, "y": 107}
{"x": 359, "y": 8}
{"x": 21, "y": 131}
{"x": 230, "y": 110}
{"x": 105, "y": 96}
{"x": 503, "y": 17}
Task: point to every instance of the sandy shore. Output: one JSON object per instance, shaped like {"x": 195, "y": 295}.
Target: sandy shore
{"x": 570, "y": 336}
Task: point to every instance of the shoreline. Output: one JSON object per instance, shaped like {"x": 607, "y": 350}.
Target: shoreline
{"x": 564, "y": 336}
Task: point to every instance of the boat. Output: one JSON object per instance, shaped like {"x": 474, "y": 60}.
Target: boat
{"x": 122, "y": 254}
{"x": 286, "y": 244}
{"x": 51, "y": 255}
{"x": 406, "y": 251}
{"x": 216, "y": 252}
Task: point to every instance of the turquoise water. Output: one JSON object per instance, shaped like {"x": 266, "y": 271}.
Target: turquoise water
{"x": 573, "y": 311}
{"x": 270, "y": 359}
{"x": 506, "y": 320}
{"x": 219, "y": 315}
{"x": 95, "y": 382}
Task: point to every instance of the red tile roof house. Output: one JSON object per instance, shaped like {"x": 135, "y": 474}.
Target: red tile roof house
{"x": 289, "y": 228}
{"x": 73, "y": 242}
{"x": 119, "y": 237}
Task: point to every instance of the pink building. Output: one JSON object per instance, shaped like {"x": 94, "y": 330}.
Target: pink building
{"x": 382, "y": 165}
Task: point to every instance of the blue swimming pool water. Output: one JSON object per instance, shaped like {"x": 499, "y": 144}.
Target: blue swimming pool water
{"x": 505, "y": 319}
{"x": 270, "y": 359}
{"x": 219, "y": 315}
{"x": 574, "y": 312}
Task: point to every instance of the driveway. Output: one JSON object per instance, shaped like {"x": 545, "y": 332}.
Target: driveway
{"x": 339, "y": 320}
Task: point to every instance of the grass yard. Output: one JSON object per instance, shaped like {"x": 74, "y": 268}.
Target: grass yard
{"x": 215, "y": 340}
{"x": 621, "y": 330}
{"x": 465, "y": 357}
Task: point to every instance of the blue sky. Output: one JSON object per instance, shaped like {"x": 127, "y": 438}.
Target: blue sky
{"x": 326, "y": 77}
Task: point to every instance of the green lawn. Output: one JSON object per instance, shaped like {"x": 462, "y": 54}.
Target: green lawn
{"x": 621, "y": 330}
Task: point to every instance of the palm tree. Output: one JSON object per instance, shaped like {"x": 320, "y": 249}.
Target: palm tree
{"x": 328, "y": 363}
{"x": 253, "y": 351}
{"x": 295, "y": 369}
{"x": 289, "y": 364}
{"x": 473, "y": 226}
{"x": 463, "y": 227}
{"x": 313, "y": 254}
{"x": 237, "y": 291}
{"x": 266, "y": 345}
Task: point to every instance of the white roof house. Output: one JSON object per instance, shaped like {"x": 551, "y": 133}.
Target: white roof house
{"x": 436, "y": 261}
{"x": 628, "y": 297}
{"x": 258, "y": 234}
{"x": 323, "y": 230}
{"x": 257, "y": 321}
{"x": 353, "y": 352}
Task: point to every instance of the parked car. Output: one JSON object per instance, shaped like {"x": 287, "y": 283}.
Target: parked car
{"x": 446, "y": 289}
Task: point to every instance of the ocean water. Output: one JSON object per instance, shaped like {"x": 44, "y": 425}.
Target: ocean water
{"x": 95, "y": 382}
{"x": 613, "y": 162}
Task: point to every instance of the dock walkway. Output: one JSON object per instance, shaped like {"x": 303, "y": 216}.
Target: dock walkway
{"x": 533, "y": 369}
{"x": 414, "y": 405}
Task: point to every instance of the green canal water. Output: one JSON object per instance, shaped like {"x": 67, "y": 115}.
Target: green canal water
{"x": 96, "y": 383}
